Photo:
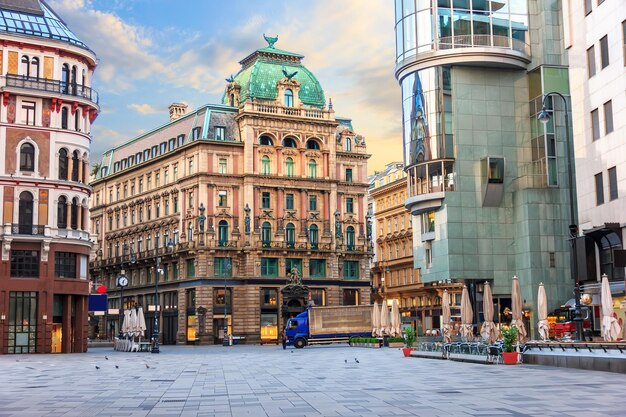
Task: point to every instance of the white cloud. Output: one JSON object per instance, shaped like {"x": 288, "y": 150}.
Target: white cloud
{"x": 144, "y": 108}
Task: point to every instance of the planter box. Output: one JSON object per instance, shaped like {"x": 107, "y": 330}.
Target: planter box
{"x": 396, "y": 344}
{"x": 366, "y": 345}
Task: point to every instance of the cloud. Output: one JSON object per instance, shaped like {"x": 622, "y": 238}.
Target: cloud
{"x": 144, "y": 108}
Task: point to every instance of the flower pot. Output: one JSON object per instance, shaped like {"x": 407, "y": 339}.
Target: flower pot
{"x": 407, "y": 351}
{"x": 509, "y": 358}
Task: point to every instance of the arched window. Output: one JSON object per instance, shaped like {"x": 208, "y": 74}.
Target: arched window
{"x": 222, "y": 233}
{"x": 64, "y": 117}
{"x": 75, "y": 162}
{"x": 265, "y": 165}
{"x": 63, "y": 164}
{"x": 189, "y": 231}
{"x": 288, "y": 98}
{"x": 290, "y": 235}
{"x": 289, "y": 166}
{"x": 25, "y": 66}
{"x": 232, "y": 100}
{"x": 312, "y": 169}
{"x": 266, "y": 234}
{"x": 266, "y": 141}
{"x": 77, "y": 120}
{"x": 65, "y": 78}
{"x": 313, "y": 236}
{"x": 74, "y": 214}
{"x": 350, "y": 238}
{"x": 73, "y": 80}
{"x": 348, "y": 146}
{"x": 312, "y": 144}
{"x": 62, "y": 213}
{"x": 34, "y": 67}
{"x": 26, "y": 213}
{"x": 27, "y": 157}
{"x": 289, "y": 143}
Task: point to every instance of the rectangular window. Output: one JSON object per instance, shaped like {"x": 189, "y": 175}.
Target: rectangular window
{"x": 289, "y": 201}
{"x": 175, "y": 172}
{"x": 350, "y": 297}
{"x": 313, "y": 203}
{"x": 190, "y": 166}
{"x": 220, "y": 133}
{"x": 265, "y": 200}
{"x": 269, "y": 267}
{"x": 175, "y": 271}
{"x": 599, "y": 189}
{"x": 25, "y": 263}
{"x": 269, "y": 297}
{"x": 604, "y": 51}
{"x": 613, "y": 194}
{"x": 222, "y": 198}
{"x": 349, "y": 205}
{"x": 318, "y": 296}
{"x": 317, "y": 268}
{"x": 595, "y": 125}
{"x": 291, "y": 264}
{"x": 348, "y": 174}
{"x": 28, "y": 113}
{"x": 180, "y": 140}
{"x": 223, "y": 267}
{"x": 587, "y": 7}
{"x": 149, "y": 182}
{"x": 195, "y": 133}
{"x": 157, "y": 180}
{"x": 351, "y": 269}
{"x": 171, "y": 144}
{"x": 608, "y": 117}
{"x": 223, "y": 166}
{"x": 591, "y": 62}
{"x": 191, "y": 268}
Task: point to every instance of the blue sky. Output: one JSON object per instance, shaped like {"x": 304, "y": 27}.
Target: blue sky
{"x": 155, "y": 52}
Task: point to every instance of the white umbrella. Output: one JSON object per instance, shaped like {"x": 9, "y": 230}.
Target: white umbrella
{"x": 611, "y": 329}
{"x": 384, "y": 319}
{"x": 375, "y": 320}
{"x": 488, "y": 331}
{"x": 516, "y": 300}
{"x": 446, "y": 329}
{"x": 542, "y": 312}
{"x": 467, "y": 315}
{"x": 396, "y": 321}
{"x": 141, "y": 322}
{"x": 126, "y": 322}
{"x": 132, "y": 325}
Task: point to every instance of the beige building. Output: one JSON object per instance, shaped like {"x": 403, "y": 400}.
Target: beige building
{"x": 47, "y": 110}
{"x": 247, "y": 191}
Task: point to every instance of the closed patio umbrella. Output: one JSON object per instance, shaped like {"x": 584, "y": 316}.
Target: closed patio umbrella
{"x": 467, "y": 315}
{"x": 141, "y": 322}
{"x": 542, "y": 313}
{"x": 516, "y": 300}
{"x": 446, "y": 329}
{"x": 132, "y": 325}
{"x": 611, "y": 329}
{"x": 396, "y": 321}
{"x": 126, "y": 323}
{"x": 384, "y": 319}
{"x": 488, "y": 330}
{"x": 375, "y": 320}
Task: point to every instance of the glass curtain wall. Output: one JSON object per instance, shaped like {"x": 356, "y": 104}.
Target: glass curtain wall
{"x": 426, "y": 25}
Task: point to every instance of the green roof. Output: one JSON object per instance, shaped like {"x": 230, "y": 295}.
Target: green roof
{"x": 262, "y": 69}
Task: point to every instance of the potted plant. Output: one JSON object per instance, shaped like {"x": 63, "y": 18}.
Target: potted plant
{"x": 409, "y": 339}
{"x": 509, "y": 355}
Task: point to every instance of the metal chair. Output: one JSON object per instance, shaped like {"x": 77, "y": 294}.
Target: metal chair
{"x": 494, "y": 353}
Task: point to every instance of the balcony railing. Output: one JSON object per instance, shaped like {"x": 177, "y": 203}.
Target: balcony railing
{"x": 52, "y": 86}
{"x": 288, "y": 111}
{"x": 27, "y": 229}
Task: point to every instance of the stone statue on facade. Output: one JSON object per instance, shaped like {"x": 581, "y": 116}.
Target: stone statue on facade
{"x": 201, "y": 218}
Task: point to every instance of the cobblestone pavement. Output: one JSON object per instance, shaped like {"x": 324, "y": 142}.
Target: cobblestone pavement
{"x": 315, "y": 381}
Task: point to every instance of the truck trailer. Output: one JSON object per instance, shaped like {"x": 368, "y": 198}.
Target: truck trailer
{"x": 324, "y": 325}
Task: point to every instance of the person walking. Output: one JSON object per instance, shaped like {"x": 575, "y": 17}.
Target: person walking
{"x": 284, "y": 336}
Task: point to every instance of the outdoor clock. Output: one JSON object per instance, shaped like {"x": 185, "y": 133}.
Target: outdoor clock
{"x": 122, "y": 281}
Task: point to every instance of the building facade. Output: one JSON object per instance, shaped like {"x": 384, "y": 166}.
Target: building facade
{"x": 47, "y": 110}
{"x": 595, "y": 38}
{"x": 249, "y": 191}
{"x": 487, "y": 183}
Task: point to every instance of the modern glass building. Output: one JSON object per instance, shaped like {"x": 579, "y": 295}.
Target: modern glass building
{"x": 487, "y": 183}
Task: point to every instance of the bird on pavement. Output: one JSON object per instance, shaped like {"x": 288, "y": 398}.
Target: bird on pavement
{"x": 106, "y": 357}
{"x": 356, "y": 360}
{"x": 147, "y": 366}
{"x": 97, "y": 367}
{"x": 117, "y": 367}
{"x": 345, "y": 360}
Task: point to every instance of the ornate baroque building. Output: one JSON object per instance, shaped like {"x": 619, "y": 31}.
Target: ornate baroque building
{"x": 45, "y": 122}
{"x": 247, "y": 191}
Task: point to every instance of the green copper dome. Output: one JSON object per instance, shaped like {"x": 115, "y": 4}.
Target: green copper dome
{"x": 261, "y": 70}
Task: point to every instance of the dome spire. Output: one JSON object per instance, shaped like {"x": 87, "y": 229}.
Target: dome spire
{"x": 270, "y": 41}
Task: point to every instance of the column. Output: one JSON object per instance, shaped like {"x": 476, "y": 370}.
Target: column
{"x": 279, "y": 161}
{"x": 210, "y": 166}
{"x": 80, "y": 335}
{"x": 69, "y": 215}
{"x": 303, "y": 204}
{"x": 303, "y": 163}
{"x": 279, "y": 203}
{"x": 325, "y": 159}
{"x": 326, "y": 206}
{"x": 210, "y": 200}
{"x": 80, "y": 170}
{"x": 255, "y": 162}
{"x": 66, "y": 330}
{"x": 70, "y": 168}
{"x": 235, "y": 205}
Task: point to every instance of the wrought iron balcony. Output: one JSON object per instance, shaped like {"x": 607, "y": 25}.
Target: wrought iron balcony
{"x": 27, "y": 229}
{"x": 52, "y": 86}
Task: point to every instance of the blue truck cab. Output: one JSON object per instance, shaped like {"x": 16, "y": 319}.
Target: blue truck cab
{"x": 297, "y": 330}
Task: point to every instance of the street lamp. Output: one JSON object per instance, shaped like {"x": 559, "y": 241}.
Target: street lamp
{"x": 122, "y": 282}
{"x": 544, "y": 117}
{"x": 227, "y": 268}
{"x": 157, "y": 311}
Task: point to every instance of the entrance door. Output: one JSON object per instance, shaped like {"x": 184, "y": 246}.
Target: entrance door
{"x": 170, "y": 328}
{"x": 57, "y": 337}
{"x": 26, "y": 213}
{"x": 218, "y": 329}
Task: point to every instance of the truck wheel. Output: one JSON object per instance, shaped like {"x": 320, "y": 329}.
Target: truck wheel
{"x": 299, "y": 343}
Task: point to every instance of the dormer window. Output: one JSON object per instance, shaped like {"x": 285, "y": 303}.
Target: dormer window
{"x": 348, "y": 146}
{"x": 288, "y": 98}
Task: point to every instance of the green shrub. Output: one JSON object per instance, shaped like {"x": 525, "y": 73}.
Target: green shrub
{"x": 395, "y": 340}
{"x": 409, "y": 336}
{"x": 509, "y": 336}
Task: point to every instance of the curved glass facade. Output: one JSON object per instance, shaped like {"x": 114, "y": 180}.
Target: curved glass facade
{"x": 427, "y": 130}
{"x": 427, "y": 25}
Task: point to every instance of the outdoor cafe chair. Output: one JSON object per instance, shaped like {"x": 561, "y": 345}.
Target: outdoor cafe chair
{"x": 494, "y": 353}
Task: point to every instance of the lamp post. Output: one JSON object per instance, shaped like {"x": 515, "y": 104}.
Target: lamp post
{"x": 544, "y": 117}
{"x": 122, "y": 281}
{"x": 227, "y": 268}
{"x": 157, "y": 310}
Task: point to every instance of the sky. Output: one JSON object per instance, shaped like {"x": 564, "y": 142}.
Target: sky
{"x": 152, "y": 53}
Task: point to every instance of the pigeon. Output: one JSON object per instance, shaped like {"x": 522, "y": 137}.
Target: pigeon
{"x": 147, "y": 366}
{"x": 117, "y": 367}
{"x": 356, "y": 360}
{"x": 97, "y": 367}
{"x": 345, "y": 360}
{"x": 106, "y": 357}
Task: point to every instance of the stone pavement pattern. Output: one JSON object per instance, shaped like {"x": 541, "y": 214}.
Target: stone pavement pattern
{"x": 199, "y": 381}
